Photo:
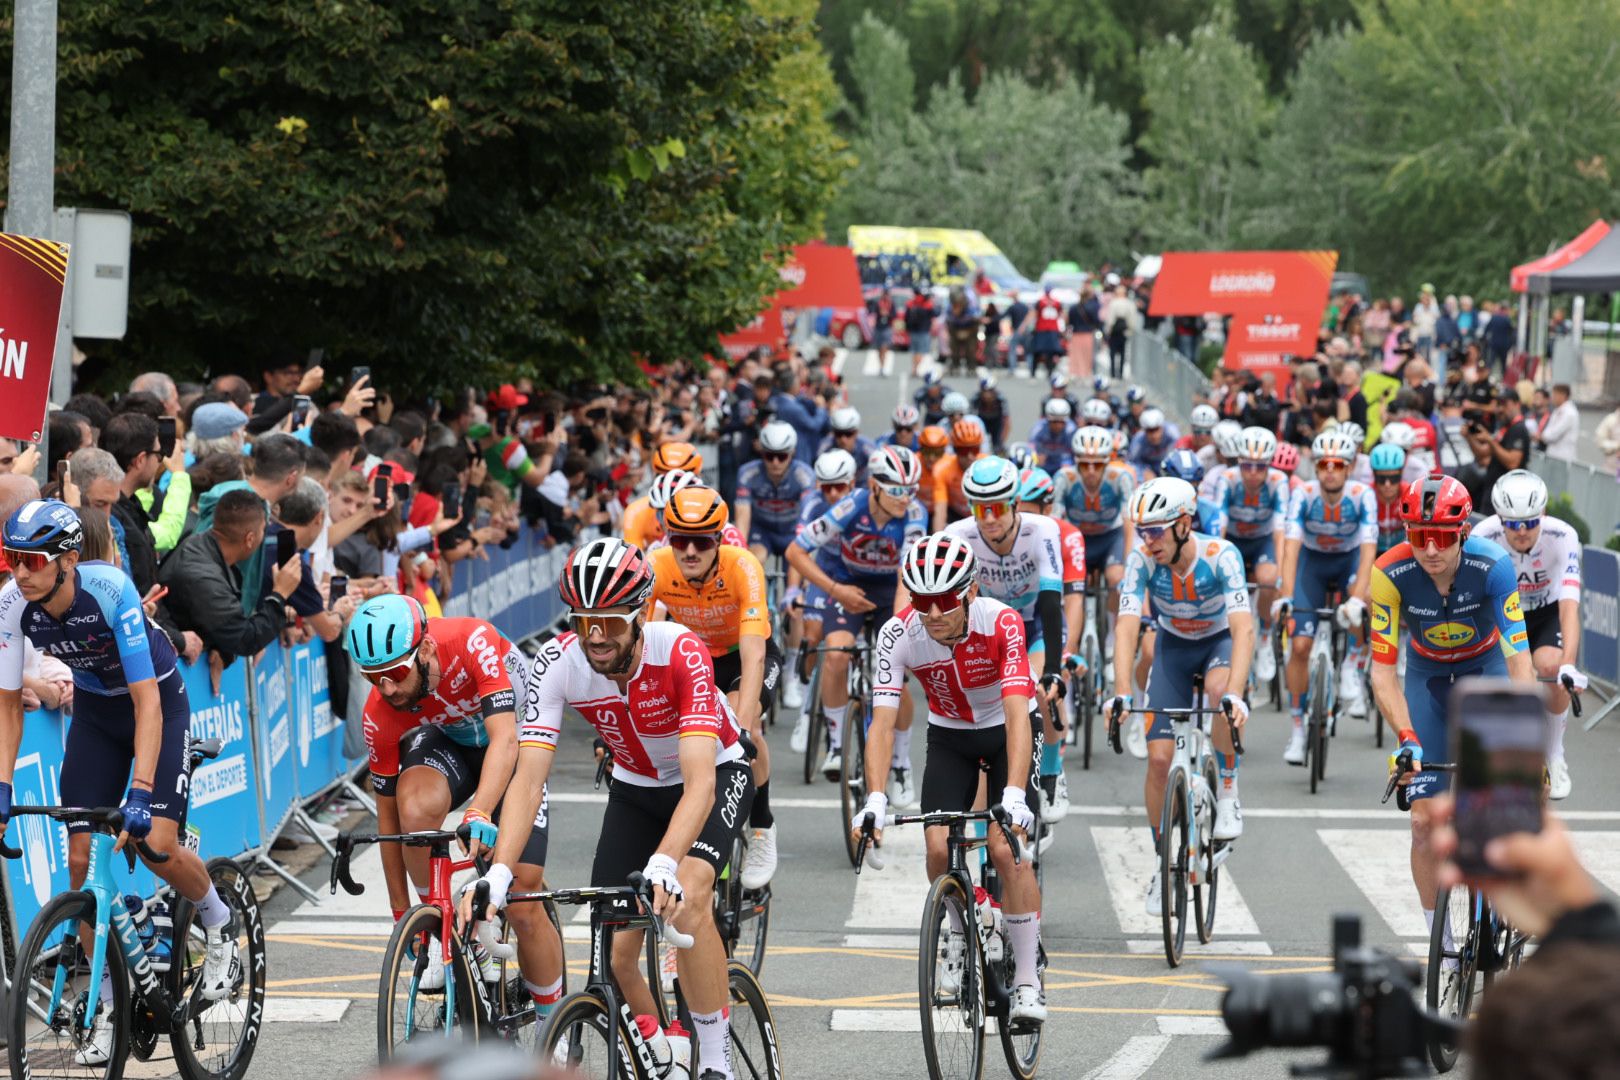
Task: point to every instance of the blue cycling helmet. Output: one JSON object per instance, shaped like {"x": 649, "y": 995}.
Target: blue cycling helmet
{"x": 1387, "y": 457}
{"x": 991, "y": 479}
{"x": 44, "y": 525}
{"x": 1035, "y": 485}
{"x": 1022, "y": 455}
{"x": 385, "y": 630}
{"x": 1184, "y": 465}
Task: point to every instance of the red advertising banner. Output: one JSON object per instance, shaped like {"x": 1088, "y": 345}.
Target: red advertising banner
{"x": 1261, "y": 343}
{"x": 1242, "y": 282}
{"x": 816, "y": 276}
{"x": 33, "y": 279}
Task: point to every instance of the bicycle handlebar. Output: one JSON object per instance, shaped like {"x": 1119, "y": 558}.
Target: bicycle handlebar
{"x": 867, "y": 848}
{"x": 666, "y": 930}
{"x": 1404, "y": 765}
{"x": 1569, "y": 687}
{"x": 110, "y": 818}
{"x": 952, "y": 817}
{"x": 347, "y": 842}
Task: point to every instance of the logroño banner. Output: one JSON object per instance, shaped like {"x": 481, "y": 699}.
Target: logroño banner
{"x": 1243, "y": 282}
{"x": 33, "y": 284}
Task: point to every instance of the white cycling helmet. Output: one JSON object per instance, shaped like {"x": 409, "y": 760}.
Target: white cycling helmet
{"x": 845, "y": 419}
{"x": 1520, "y": 495}
{"x": 895, "y": 466}
{"x": 1203, "y": 419}
{"x": 1056, "y": 409}
{"x": 1097, "y": 411}
{"x": 1399, "y": 433}
{"x": 906, "y": 416}
{"x": 1163, "y": 500}
{"x": 669, "y": 483}
{"x": 1134, "y": 393}
{"x": 1228, "y": 438}
{"x": 1334, "y": 444}
{"x": 1256, "y": 444}
{"x": 835, "y": 467}
{"x": 938, "y": 564}
{"x": 991, "y": 479}
{"x": 1152, "y": 419}
{"x": 956, "y": 403}
{"x": 1354, "y": 431}
{"x": 1058, "y": 381}
{"x": 1093, "y": 443}
{"x": 778, "y": 437}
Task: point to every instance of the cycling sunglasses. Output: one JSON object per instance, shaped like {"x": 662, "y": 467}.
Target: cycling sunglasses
{"x": 897, "y": 491}
{"x": 834, "y": 492}
{"x": 1386, "y": 478}
{"x": 694, "y": 541}
{"x": 611, "y": 624}
{"x": 395, "y": 673}
{"x": 1521, "y": 526}
{"x": 1149, "y": 534}
{"x": 845, "y": 434}
{"x": 990, "y": 511}
{"x": 1332, "y": 465}
{"x": 944, "y": 603}
{"x": 1093, "y": 466}
{"x": 32, "y": 561}
{"x": 776, "y": 455}
{"x": 1254, "y": 466}
{"x": 1442, "y": 539}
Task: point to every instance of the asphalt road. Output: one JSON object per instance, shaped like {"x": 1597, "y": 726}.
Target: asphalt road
{"x": 841, "y": 968}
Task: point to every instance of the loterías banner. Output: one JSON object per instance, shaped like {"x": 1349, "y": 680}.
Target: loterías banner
{"x": 33, "y": 280}
{"x": 1243, "y": 282}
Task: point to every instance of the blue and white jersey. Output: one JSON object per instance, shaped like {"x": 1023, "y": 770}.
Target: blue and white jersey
{"x": 913, "y": 443}
{"x": 1032, "y": 566}
{"x": 1103, "y": 510}
{"x": 863, "y": 449}
{"x": 775, "y": 502}
{"x": 103, "y": 637}
{"x": 1250, "y": 514}
{"x": 1053, "y": 447}
{"x": 1192, "y": 605}
{"x": 870, "y": 553}
{"x": 815, "y": 504}
{"x": 1336, "y": 527}
{"x": 1147, "y": 456}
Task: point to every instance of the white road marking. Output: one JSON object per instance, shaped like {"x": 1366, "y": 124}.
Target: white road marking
{"x": 1379, "y": 862}
{"x": 1132, "y": 1060}
{"x": 1154, "y": 946}
{"x": 1127, "y": 860}
{"x": 906, "y": 942}
{"x": 1600, "y": 854}
{"x": 886, "y": 1020}
{"x": 1191, "y": 1025}
{"x": 892, "y": 898}
{"x": 280, "y": 1010}
{"x": 335, "y": 927}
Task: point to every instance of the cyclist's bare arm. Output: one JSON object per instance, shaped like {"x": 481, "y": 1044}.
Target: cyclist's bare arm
{"x": 1242, "y": 626}
{"x": 500, "y": 758}
{"x": 1363, "y": 586}
{"x": 1126, "y": 631}
{"x": 1386, "y": 687}
{"x": 1290, "y": 566}
{"x": 752, "y": 648}
{"x": 523, "y": 800}
{"x": 1569, "y": 624}
{"x": 743, "y": 515}
{"x": 805, "y": 563}
{"x": 1020, "y": 742}
{"x": 11, "y": 721}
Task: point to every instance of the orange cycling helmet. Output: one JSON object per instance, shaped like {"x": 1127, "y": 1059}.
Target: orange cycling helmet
{"x": 677, "y": 455}
{"x": 696, "y": 510}
{"x": 966, "y": 432}
{"x": 933, "y": 437}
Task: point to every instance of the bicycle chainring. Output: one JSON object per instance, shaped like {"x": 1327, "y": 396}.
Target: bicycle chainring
{"x": 143, "y": 1032}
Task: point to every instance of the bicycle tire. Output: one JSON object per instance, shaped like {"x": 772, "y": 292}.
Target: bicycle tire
{"x": 755, "y": 1054}
{"x": 1314, "y": 736}
{"x": 1022, "y": 1046}
{"x": 235, "y": 888}
{"x": 1174, "y": 837}
{"x": 52, "y": 928}
{"x": 1443, "y": 1050}
{"x": 815, "y": 734}
{"x": 1092, "y": 650}
{"x": 1204, "y": 894}
{"x": 402, "y": 959}
{"x": 576, "y": 1037}
{"x": 946, "y": 894}
{"x": 851, "y": 778}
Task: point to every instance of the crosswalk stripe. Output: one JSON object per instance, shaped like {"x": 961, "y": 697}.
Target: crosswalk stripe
{"x": 1379, "y": 862}
{"x": 1127, "y": 861}
{"x": 335, "y": 927}
{"x": 893, "y": 898}
{"x": 1132, "y": 1060}
{"x": 1154, "y": 946}
{"x": 1191, "y": 1025}
{"x": 295, "y": 1010}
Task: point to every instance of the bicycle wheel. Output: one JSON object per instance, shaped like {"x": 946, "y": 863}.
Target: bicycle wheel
{"x": 577, "y": 1037}
{"x": 1090, "y": 699}
{"x": 1204, "y": 892}
{"x": 1449, "y": 987}
{"x": 951, "y": 1001}
{"x": 1316, "y": 722}
{"x": 406, "y": 1010}
{"x": 1175, "y": 837}
{"x": 753, "y": 926}
{"x": 44, "y": 1038}
{"x": 852, "y": 780}
{"x": 218, "y": 1041}
{"x": 1021, "y": 1042}
{"x": 754, "y": 1052}
{"x": 816, "y": 736}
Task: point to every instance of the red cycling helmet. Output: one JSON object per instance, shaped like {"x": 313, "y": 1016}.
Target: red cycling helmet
{"x": 605, "y": 573}
{"x": 1436, "y": 501}
{"x": 1286, "y": 458}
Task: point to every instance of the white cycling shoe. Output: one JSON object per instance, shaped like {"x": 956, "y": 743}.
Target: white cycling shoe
{"x": 1136, "y": 736}
{"x": 901, "y": 792}
{"x": 759, "y": 858}
{"x": 1228, "y": 819}
{"x": 948, "y": 972}
{"x": 832, "y": 766}
{"x": 1028, "y": 1003}
{"x": 793, "y": 698}
{"x": 799, "y": 741}
{"x": 1265, "y": 663}
{"x": 1558, "y": 782}
{"x": 1351, "y": 692}
{"x": 1154, "y": 903}
{"x": 433, "y": 975}
{"x": 1060, "y": 801}
{"x": 1294, "y": 752}
{"x": 222, "y": 966}
{"x": 98, "y": 1050}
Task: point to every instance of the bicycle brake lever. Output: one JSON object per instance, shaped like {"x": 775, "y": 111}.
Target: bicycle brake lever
{"x": 340, "y": 867}
{"x": 9, "y": 852}
{"x": 1574, "y": 695}
{"x": 999, "y": 816}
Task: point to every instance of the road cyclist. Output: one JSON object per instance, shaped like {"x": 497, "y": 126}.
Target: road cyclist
{"x": 835, "y": 478}
{"x": 1253, "y": 497}
{"x": 1037, "y": 495}
{"x": 639, "y": 524}
{"x": 769, "y": 490}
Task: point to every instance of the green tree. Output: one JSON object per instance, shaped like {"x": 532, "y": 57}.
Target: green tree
{"x": 1207, "y": 109}
{"x": 450, "y": 193}
{"x": 1280, "y": 31}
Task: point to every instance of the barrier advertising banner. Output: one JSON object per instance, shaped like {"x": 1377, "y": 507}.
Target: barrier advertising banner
{"x": 33, "y": 282}
{"x": 278, "y": 786}
{"x": 1243, "y": 282}
{"x": 1600, "y": 614}
{"x": 319, "y": 730}
{"x": 223, "y": 791}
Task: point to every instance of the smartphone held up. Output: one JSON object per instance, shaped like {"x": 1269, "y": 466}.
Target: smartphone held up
{"x": 1499, "y": 733}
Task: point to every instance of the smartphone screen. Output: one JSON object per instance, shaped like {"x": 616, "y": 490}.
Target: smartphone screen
{"x": 1499, "y": 745}
{"x": 337, "y": 588}
{"x": 450, "y": 498}
{"x": 356, "y": 374}
{"x": 166, "y": 435}
{"x": 286, "y": 546}
{"x": 469, "y": 506}
{"x": 379, "y": 489}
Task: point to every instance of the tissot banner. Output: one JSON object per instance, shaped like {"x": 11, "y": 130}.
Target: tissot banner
{"x": 1243, "y": 282}
{"x": 33, "y": 279}
{"x": 1260, "y": 343}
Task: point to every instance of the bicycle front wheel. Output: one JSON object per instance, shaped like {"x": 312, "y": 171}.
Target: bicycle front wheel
{"x": 1175, "y": 838}
{"x": 413, "y": 1001}
{"x": 951, "y": 997}
{"x": 1316, "y": 724}
{"x": 50, "y": 991}
{"x": 217, "y": 1043}
{"x": 852, "y": 782}
{"x": 754, "y": 1052}
{"x": 816, "y": 732}
{"x": 1204, "y": 892}
{"x": 1453, "y": 968}
{"x": 578, "y": 1038}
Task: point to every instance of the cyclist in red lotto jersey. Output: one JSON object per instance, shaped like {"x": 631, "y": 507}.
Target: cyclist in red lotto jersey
{"x": 682, "y": 787}
{"x": 441, "y": 729}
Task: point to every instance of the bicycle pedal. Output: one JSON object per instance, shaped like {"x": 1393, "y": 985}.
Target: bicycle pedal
{"x": 1223, "y": 849}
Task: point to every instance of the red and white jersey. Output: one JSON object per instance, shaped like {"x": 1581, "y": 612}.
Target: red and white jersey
{"x": 671, "y": 696}
{"x": 1073, "y": 553}
{"x": 966, "y": 684}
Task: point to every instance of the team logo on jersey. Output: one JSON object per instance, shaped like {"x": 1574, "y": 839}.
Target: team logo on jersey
{"x": 1380, "y": 619}
{"x": 1449, "y": 635}
{"x": 1511, "y": 608}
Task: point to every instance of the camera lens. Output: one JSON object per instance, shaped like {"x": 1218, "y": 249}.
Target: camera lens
{"x": 1289, "y": 1010}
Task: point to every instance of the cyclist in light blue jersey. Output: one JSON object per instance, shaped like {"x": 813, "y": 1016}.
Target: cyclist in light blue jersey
{"x": 1253, "y": 497}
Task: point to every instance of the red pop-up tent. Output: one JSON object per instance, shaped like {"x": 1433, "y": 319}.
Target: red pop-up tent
{"x": 818, "y": 275}
{"x": 1520, "y": 277}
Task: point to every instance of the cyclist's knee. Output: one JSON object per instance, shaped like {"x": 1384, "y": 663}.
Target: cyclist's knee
{"x": 422, "y": 807}
{"x": 1300, "y": 646}
{"x": 78, "y": 862}
{"x": 1547, "y": 662}
{"x": 1160, "y": 754}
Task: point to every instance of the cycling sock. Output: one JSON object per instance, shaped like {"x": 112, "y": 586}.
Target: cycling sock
{"x": 1228, "y": 766}
{"x": 714, "y": 1041}
{"x": 1296, "y": 708}
{"x": 835, "y": 723}
{"x": 1155, "y": 833}
{"x": 1024, "y": 934}
{"x": 1556, "y": 723}
{"x": 1051, "y": 760}
{"x": 545, "y": 997}
{"x": 790, "y": 663}
{"x": 1428, "y": 918}
{"x": 104, "y": 999}
{"x": 901, "y": 759}
{"x": 424, "y": 895}
{"x": 213, "y": 912}
{"x": 760, "y": 816}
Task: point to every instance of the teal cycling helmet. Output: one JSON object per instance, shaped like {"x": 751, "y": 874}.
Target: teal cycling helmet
{"x": 385, "y": 630}
{"x": 1387, "y": 457}
{"x": 1035, "y": 485}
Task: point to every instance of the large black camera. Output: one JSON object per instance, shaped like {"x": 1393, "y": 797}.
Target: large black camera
{"x": 1365, "y": 1011}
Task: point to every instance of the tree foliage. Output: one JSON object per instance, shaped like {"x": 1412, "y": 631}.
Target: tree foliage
{"x": 446, "y": 192}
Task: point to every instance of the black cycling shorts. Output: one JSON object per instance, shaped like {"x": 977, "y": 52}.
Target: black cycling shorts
{"x": 637, "y": 818}
{"x": 952, "y": 770}
{"x": 728, "y": 672}
{"x": 427, "y": 746}
{"x": 1543, "y": 628}
{"x": 100, "y": 751}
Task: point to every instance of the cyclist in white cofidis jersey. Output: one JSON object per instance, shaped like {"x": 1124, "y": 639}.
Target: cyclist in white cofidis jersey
{"x": 968, "y": 652}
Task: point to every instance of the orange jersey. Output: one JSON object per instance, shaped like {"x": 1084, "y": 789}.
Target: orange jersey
{"x": 721, "y": 609}
{"x": 640, "y": 523}
{"x": 948, "y": 484}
